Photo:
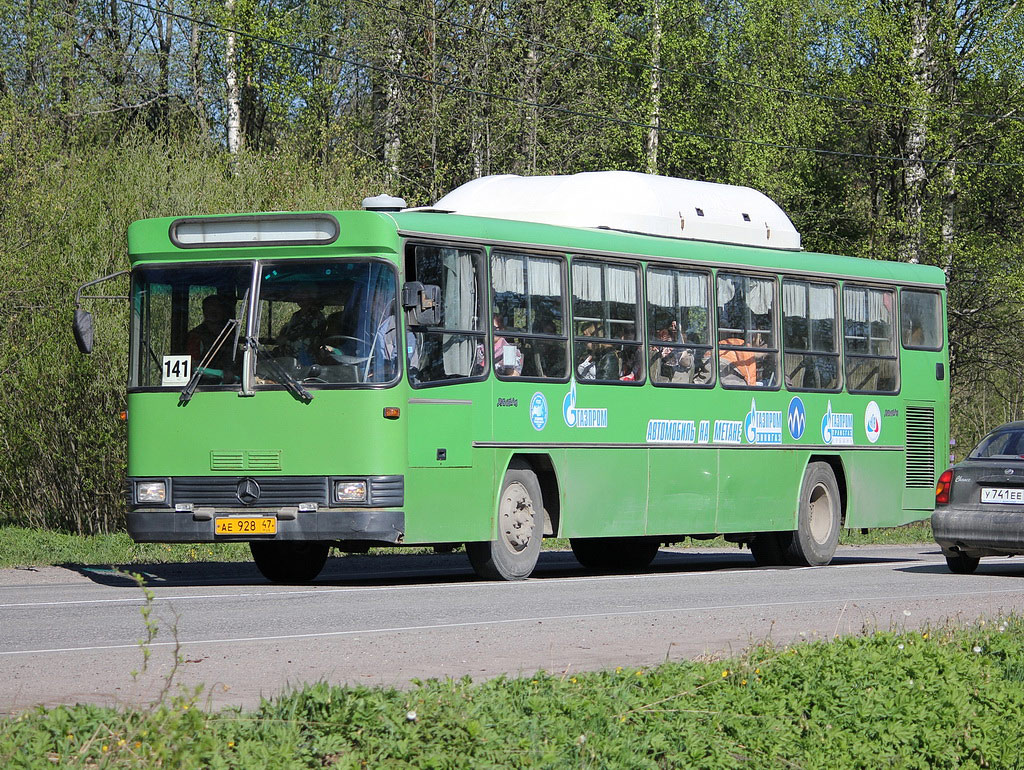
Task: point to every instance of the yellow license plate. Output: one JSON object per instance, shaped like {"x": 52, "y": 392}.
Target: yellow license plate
{"x": 236, "y": 525}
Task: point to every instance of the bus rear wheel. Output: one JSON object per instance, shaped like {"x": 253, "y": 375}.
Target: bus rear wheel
{"x": 288, "y": 561}
{"x": 614, "y": 554}
{"x": 813, "y": 543}
{"x": 520, "y": 530}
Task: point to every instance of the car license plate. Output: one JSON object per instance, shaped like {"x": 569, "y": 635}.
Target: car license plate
{"x": 236, "y": 525}
{"x": 1002, "y": 495}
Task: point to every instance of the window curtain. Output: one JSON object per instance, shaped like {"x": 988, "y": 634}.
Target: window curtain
{"x": 460, "y": 311}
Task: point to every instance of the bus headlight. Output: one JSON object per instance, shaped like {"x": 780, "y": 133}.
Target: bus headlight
{"x": 150, "y": 492}
{"x": 349, "y": 491}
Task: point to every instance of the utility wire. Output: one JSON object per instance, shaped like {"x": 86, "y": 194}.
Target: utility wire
{"x": 563, "y": 110}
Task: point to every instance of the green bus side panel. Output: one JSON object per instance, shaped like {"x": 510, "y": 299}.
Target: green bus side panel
{"x": 683, "y": 491}
{"x": 757, "y": 489}
{"x": 606, "y": 492}
{"x": 450, "y": 504}
{"x": 875, "y": 488}
{"x": 440, "y": 433}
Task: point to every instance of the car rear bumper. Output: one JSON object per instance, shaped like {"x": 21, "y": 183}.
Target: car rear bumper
{"x": 979, "y": 533}
{"x": 163, "y": 526}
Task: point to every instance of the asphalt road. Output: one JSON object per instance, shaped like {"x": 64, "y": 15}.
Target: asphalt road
{"x": 72, "y": 635}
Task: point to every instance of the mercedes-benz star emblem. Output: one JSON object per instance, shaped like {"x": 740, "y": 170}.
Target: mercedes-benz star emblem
{"x": 247, "y": 491}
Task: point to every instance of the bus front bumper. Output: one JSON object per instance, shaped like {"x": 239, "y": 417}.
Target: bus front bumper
{"x": 199, "y": 526}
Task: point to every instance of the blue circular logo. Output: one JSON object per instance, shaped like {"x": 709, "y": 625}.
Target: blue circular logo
{"x": 796, "y": 418}
{"x": 539, "y": 411}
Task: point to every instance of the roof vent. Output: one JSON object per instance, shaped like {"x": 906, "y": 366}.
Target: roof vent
{"x": 384, "y": 203}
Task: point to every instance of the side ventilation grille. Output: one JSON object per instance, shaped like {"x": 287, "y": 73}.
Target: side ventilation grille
{"x": 920, "y": 447}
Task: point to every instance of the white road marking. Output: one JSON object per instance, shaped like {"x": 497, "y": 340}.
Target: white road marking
{"x": 508, "y": 621}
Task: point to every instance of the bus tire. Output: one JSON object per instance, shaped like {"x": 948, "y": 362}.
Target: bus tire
{"x": 768, "y": 548}
{"x": 614, "y": 554}
{"x": 289, "y": 561}
{"x": 813, "y": 543}
{"x": 962, "y": 564}
{"x": 514, "y": 554}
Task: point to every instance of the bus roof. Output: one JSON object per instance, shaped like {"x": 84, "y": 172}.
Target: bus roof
{"x": 630, "y": 202}
{"x": 379, "y": 233}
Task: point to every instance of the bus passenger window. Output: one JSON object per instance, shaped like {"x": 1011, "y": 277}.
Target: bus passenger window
{"x": 747, "y": 352}
{"x": 921, "y": 320}
{"x": 679, "y": 351}
{"x": 811, "y": 358}
{"x": 455, "y": 349}
{"x": 528, "y": 300}
{"x": 871, "y": 361}
{"x": 606, "y": 344}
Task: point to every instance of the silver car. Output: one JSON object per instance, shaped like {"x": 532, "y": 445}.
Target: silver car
{"x": 979, "y": 503}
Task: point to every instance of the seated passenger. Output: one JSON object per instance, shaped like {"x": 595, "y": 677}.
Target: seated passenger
{"x": 301, "y": 335}
{"x": 508, "y": 358}
{"x": 216, "y": 312}
{"x": 737, "y": 367}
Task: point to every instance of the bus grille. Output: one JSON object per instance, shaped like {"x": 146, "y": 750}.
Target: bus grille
{"x": 277, "y": 491}
{"x": 920, "y": 447}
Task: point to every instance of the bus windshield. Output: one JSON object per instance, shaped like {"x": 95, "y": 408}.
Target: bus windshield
{"x": 328, "y": 322}
{"x": 323, "y": 322}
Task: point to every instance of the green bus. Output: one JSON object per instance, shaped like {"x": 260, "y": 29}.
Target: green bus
{"x": 618, "y": 359}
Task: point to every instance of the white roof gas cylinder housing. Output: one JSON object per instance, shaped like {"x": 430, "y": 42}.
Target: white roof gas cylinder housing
{"x": 631, "y": 202}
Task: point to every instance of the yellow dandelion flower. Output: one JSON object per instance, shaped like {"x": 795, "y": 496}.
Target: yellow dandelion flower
{"x": 573, "y": 680}
{"x": 106, "y": 747}
{"x": 725, "y": 673}
{"x": 231, "y": 744}
{"x": 743, "y": 682}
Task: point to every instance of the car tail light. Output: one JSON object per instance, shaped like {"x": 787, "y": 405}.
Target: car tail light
{"x": 943, "y": 487}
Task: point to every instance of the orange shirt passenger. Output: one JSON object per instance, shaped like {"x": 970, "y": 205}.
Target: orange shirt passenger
{"x": 743, "y": 361}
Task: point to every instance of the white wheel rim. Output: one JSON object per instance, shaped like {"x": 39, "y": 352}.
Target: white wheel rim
{"x": 516, "y": 517}
{"x": 820, "y": 505}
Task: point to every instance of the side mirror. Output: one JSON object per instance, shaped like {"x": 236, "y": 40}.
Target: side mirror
{"x": 83, "y": 330}
{"x": 422, "y": 303}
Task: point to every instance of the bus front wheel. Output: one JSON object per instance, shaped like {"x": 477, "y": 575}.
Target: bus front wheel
{"x": 513, "y": 555}
{"x": 288, "y": 561}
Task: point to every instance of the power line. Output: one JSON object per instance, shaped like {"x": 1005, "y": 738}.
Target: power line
{"x": 562, "y": 110}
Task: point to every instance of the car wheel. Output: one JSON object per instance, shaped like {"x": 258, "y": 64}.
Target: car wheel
{"x": 514, "y": 554}
{"x": 614, "y": 554}
{"x": 962, "y": 564}
{"x": 814, "y": 541}
{"x": 285, "y": 561}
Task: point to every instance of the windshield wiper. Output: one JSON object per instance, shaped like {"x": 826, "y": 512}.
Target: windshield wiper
{"x": 200, "y": 370}
{"x": 278, "y": 372}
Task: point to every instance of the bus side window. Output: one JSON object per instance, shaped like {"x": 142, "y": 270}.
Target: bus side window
{"x": 811, "y": 350}
{"x": 747, "y": 350}
{"x": 530, "y": 338}
{"x": 679, "y": 349}
{"x": 606, "y": 314}
{"x": 920, "y": 320}
{"x": 871, "y": 361}
{"x": 454, "y": 349}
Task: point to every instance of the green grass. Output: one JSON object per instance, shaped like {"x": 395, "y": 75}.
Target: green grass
{"x": 24, "y": 547}
{"x": 941, "y": 698}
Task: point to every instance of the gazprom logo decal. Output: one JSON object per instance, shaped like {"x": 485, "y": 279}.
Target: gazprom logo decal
{"x": 578, "y": 417}
{"x": 836, "y": 427}
{"x": 762, "y": 427}
{"x": 796, "y": 418}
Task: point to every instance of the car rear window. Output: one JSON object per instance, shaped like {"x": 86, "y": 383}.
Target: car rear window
{"x": 1001, "y": 443}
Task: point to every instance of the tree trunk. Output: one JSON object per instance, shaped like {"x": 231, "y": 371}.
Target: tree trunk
{"x": 911, "y": 246}
{"x": 654, "y": 117}
{"x": 234, "y": 118}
